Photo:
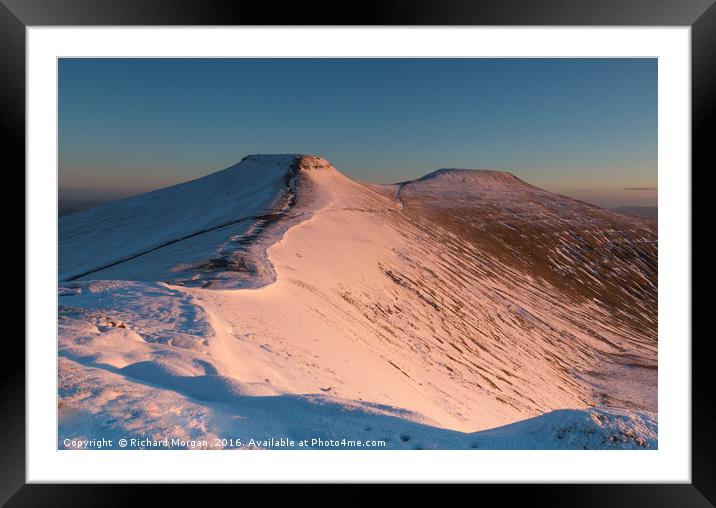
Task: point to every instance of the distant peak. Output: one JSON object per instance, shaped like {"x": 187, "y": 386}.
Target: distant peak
{"x": 470, "y": 173}
{"x": 470, "y": 177}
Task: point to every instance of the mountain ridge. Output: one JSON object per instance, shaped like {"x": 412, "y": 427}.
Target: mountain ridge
{"x": 468, "y": 314}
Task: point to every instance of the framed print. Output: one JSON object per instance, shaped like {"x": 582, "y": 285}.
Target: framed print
{"x": 421, "y": 248}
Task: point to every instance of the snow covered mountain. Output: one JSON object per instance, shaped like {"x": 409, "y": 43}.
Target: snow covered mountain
{"x": 280, "y": 298}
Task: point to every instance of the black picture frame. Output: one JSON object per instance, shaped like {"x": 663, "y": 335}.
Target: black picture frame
{"x": 16, "y": 15}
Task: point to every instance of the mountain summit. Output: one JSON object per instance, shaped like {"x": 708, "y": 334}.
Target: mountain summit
{"x": 177, "y": 232}
{"x": 483, "y": 177}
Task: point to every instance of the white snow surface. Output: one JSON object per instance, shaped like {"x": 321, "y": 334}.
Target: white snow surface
{"x": 176, "y": 220}
{"x": 279, "y": 298}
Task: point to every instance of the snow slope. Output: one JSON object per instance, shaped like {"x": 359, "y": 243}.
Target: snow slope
{"x": 370, "y": 311}
{"x": 174, "y": 228}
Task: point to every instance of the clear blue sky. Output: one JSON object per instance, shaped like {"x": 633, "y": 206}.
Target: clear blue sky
{"x": 583, "y": 127}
